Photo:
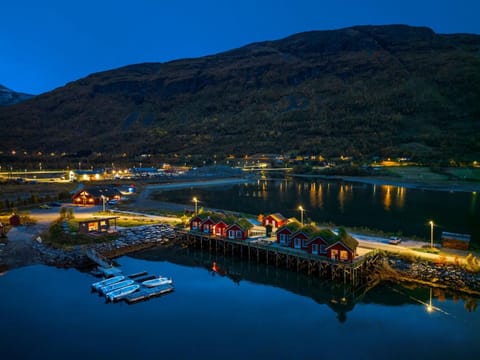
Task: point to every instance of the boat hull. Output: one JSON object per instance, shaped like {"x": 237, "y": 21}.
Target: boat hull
{"x": 118, "y": 285}
{"x": 107, "y": 282}
{"x": 120, "y": 293}
{"x": 157, "y": 282}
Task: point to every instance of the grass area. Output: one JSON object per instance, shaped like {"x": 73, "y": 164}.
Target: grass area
{"x": 123, "y": 221}
{"x": 58, "y": 238}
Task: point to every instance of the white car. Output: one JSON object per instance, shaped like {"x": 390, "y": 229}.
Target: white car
{"x": 394, "y": 240}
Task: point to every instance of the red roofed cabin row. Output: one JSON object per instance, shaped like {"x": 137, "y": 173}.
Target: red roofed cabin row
{"x": 235, "y": 229}
{"x": 315, "y": 241}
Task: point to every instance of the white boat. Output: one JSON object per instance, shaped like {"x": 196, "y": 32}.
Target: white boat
{"x": 108, "y": 281}
{"x": 122, "y": 292}
{"x": 157, "y": 282}
{"x": 117, "y": 285}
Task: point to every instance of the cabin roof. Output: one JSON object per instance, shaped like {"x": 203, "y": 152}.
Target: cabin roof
{"x": 292, "y": 226}
{"x": 277, "y": 217}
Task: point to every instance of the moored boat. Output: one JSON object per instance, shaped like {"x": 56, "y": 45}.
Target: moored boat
{"x": 118, "y": 285}
{"x": 157, "y": 282}
{"x": 122, "y": 292}
{"x": 108, "y": 281}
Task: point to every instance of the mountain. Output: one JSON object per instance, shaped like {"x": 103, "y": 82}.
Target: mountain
{"x": 10, "y": 97}
{"x": 361, "y": 91}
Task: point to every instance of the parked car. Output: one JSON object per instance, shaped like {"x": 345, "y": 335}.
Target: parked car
{"x": 112, "y": 202}
{"x": 55, "y": 204}
{"x": 44, "y": 206}
{"x": 394, "y": 240}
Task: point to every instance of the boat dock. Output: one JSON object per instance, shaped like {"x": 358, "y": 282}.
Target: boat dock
{"x": 136, "y": 279}
{"x": 104, "y": 265}
{"x": 145, "y": 293}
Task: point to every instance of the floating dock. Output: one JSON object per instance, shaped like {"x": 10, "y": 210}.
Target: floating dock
{"x": 145, "y": 293}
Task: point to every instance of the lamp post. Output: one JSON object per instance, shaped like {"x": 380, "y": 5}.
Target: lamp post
{"x": 103, "y": 201}
{"x": 431, "y": 233}
{"x": 301, "y": 213}
{"x": 195, "y": 200}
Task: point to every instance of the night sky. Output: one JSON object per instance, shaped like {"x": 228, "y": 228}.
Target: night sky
{"x": 46, "y": 44}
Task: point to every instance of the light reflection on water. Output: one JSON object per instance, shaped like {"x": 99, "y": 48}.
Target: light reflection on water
{"x": 50, "y": 313}
{"x": 392, "y": 209}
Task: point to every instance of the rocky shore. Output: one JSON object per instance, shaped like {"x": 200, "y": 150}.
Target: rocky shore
{"x": 394, "y": 268}
{"x": 438, "y": 275}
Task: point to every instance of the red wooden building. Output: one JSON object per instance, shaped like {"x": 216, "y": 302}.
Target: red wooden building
{"x": 236, "y": 232}
{"x": 275, "y": 220}
{"x": 220, "y": 228}
{"x": 300, "y": 239}
{"x": 341, "y": 251}
{"x": 96, "y": 195}
{"x": 212, "y": 224}
{"x": 285, "y": 232}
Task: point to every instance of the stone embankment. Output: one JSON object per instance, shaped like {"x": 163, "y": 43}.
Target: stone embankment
{"x": 440, "y": 275}
{"x": 130, "y": 240}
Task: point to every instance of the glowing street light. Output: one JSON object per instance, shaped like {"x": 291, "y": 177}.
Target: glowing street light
{"x": 431, "y": 233}
{"x": 195, "y": 200}
{"x": 301, "y": 213}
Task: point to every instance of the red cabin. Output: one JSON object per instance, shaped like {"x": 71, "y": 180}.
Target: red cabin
{"x": 275, "y": 220}
{"x": 317, "y": 246}
{"x": 301, "y": 238}
{"x": 286, "y": 231}
{"x": 236, "y": 232}
{"x": 341, "y": 252}
{"x": 220, "y": 228}
{"x": 208, "y": 225}
{"x": 196, "y": 223}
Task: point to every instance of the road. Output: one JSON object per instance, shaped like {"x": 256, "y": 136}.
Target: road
{"x": 408, "y": 247}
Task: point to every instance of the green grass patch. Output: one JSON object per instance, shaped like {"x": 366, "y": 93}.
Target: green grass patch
{"x": 58, "y": 238}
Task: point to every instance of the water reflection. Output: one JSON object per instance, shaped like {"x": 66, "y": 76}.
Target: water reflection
{"x": 387, "y": 197}
{"x": 383, "y": 207}
{"x": 340, "y": 298}
{"x": 473, "y": 203}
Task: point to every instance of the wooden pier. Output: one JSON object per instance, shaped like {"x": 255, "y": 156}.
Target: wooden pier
{"x": 104, "y": 265}
{"x": 354, "y": 272}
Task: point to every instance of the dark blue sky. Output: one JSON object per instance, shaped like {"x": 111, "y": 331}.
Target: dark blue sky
{"x": 45, "y": 44}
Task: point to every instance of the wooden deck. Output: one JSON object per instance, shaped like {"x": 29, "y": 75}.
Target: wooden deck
{"x": 353, "y": 272}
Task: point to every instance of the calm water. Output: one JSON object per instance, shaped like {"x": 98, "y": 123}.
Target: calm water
{"x": 248, "y": 311}
{"x": 389, "y": 208}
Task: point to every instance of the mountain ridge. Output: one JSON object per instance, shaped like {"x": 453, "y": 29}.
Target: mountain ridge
{"x": 361, "y": 91}
{"x": 9, "y": 97}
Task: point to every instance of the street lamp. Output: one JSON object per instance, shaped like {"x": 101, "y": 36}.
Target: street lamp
{"x": 103, "y": 200}
{"x": 431, "y": 233}
{"x": 195, "y": 200}
{"x": 301, "y": 213}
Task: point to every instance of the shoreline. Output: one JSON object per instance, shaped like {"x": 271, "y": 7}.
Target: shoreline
{"x": 28, "y": 252}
